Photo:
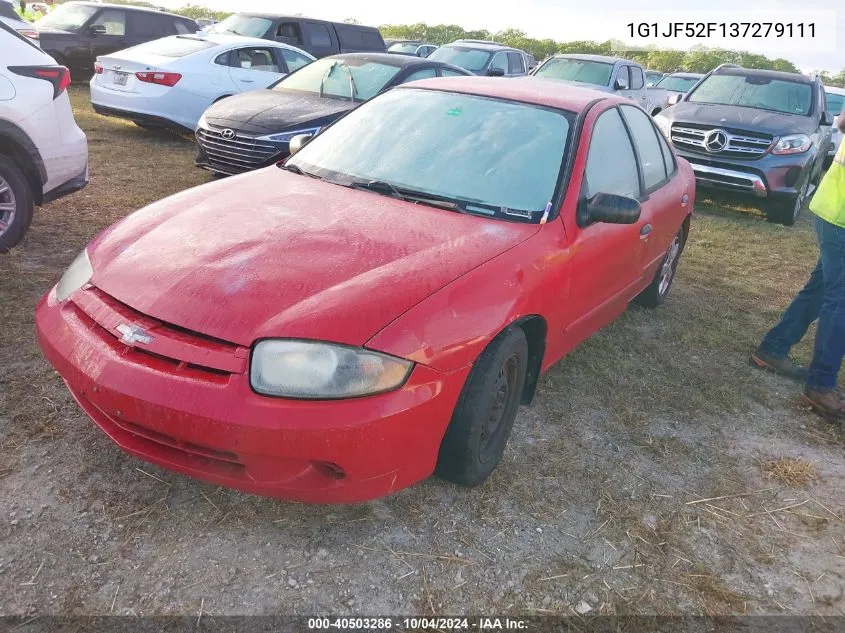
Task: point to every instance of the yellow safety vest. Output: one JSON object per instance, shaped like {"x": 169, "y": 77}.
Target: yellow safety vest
{"x": 829, "y": 201}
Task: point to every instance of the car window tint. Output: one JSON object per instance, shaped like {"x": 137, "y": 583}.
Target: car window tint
{"x": 515, "y": 64}
{"x": 648, "y": 147}
{"x": 290, "y": 33}
{"x": 114, "y": 20}
{"x": 424, "y": 73}
{"x": 223, "y": 59}
{"x": 182, "y": 28}
{"x": 256, "y": 59}
{"x": 294, "y": 60}
{"x": 349, "y": 37}
{"x": 637, "y": 80}
{"x": 500, "y": 60}
{"x": 611, "y": 164}
{"x": 318, "y": 34}
{"x": 445, "y": 72}
{"x": 146, "y": 24}
{"x": 372, "y": 39}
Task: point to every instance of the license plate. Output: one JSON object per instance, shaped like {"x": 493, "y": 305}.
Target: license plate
{"x": 120, "y": 78}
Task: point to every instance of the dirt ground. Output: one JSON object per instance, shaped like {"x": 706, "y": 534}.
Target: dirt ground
{"x": 656, "y": 473}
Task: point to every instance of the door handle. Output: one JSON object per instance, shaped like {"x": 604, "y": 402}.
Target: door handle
{"x": 684, "y": 200}
{"x": 645, "y": 231}
{"x": 247, "y": 81}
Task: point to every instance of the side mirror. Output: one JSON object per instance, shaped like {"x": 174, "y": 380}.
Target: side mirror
{"x": 620, "y": 85}
{"x": 298, "y": 142}
{"x": 673, "y": 99}
{"x": 826, "y": 119}
{"x": 97, "y": 29}
{"x": 608, "y": 208}
{"x": 495, "y": 72}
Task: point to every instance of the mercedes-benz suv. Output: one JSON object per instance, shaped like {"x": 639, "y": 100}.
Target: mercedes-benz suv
{"x": 761, "y": 133}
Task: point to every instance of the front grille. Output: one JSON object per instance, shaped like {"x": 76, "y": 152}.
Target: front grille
{"x": 237, "y": 154}
{"x": 742, "y": 144}
{"x": 171, "y": 349}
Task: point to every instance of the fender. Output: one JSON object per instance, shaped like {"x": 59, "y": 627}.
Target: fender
{"x": 24, "y": 150}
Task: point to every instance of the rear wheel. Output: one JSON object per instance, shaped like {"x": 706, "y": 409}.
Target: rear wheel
{"x": 16, "y": 204}
{"x": 786, "y": 210}
{"x": 485, "y": 413}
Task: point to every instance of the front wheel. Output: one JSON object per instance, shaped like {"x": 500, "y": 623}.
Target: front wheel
{"x": 657, "y": 291}
{"x": 485, "y": 413}
{"x": 16, "y": 204}
{"x": 786, "y": 210}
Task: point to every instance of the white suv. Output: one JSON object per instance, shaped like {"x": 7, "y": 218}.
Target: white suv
{"x": 43, "y": 153}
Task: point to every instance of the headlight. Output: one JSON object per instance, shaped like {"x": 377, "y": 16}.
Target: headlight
{"x": 314, "y": 370}
{"x": 77, "y": 275}
{"x": 285, "y": 137}
{"x": 202, "y": 123}
{"x": 663, "y": 125}
{"x": 792, "y": 144}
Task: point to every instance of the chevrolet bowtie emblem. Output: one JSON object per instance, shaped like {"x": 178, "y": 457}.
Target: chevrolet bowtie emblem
{"x": 131, "y": 334}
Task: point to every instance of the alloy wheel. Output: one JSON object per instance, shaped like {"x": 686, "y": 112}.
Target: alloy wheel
{"x": 8, "y": 205}
{"x": 667, "y": 273}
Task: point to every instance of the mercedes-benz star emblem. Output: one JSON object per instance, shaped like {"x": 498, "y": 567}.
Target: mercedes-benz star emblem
{"x": 131, "y": 334}
{"x": 715, "y": 141}
{"x": 227, "y": 133}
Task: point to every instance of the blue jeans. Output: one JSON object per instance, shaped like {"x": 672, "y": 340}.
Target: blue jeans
{"x": 823, "y": 298}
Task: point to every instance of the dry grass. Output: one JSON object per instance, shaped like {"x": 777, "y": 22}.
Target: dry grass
{"x": 639, "y": 462}
{"x": 794, "y": 472}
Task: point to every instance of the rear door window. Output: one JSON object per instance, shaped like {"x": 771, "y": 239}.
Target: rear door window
{"x": 637, "y": 80}
{"x": 372, "y": 40}
{"x": 144, "y": 24}
{"x": 183, "y": 28}
{"x": 294, "y": 60}
{"x": 318, "y": 34}
{"x": 349, "y": 37}
{"x": 256, "y": 58}
{"x": 516, "y": 66}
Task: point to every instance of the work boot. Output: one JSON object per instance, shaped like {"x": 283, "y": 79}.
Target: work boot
{"x": 782, "y": 366}
{"x": 828, "y": 404}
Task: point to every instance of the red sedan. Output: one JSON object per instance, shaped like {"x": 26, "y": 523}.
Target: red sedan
{"x": 375, "y": 309}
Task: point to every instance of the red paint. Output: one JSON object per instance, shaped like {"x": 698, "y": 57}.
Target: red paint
{"x": 318, "y": 261}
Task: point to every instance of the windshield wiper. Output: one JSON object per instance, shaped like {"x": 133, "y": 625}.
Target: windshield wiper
{"x": 298, "y": 170}
{"x": 408, "y": 195}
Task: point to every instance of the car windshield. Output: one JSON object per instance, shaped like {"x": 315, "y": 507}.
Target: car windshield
{"x": 67, "y": 17}
{"x": 471, "y": 59}
{"x": 652, "y": 76}
{"x": 174, "y": 46}
{"x": 247, "y": 25}
{"x": 834, "y": 104}
{"x": 677, "y": 84}
{"x": 400, "y": 47}
{"x": 777, "y": 95}
{"x": 583, "y": 70}
{"x": 485, "y": 155}
{"x": 340, "y": 78}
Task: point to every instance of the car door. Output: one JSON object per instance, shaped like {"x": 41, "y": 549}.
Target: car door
{"x": 665, "y": 199}
{"x": 606, "y": 259}
{"x": 254, "y": 67}
{"x": 144, "y": 26}
{"x": 516, "y": 64}
{"x": 114, "y": 38}
{"x": 321, "y": 41}
{"x": 290, "y": 32}
{"x": 638, "y": 92}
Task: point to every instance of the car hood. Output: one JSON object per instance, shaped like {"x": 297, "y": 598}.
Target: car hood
{"x": 274, "y": 110}
{"x": 772, "y": 123}
{"x": 271, "y": 253}
{"x": 42, "y": 31}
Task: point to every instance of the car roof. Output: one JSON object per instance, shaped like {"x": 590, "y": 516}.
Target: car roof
{"x": 768, "y": 74}
{"x": 224, "y": 39}
{"x": 606, "y": 59}
{"x": 834, "y": 90}
{"x": 686, "y": 75}
{"x": 286, "y": 16}
{"x": 131, "y": 7}
{"x": 483, "y": 46}
{"x": 389, "y": 58}
{"x": 525, "y": 89}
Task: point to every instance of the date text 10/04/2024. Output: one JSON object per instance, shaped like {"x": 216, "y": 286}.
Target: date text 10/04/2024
{"x": 418, "y": 623}
{"x": 723, "y": 29}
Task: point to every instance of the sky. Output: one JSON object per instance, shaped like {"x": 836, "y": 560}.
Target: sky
{"x": 565, "y": 20}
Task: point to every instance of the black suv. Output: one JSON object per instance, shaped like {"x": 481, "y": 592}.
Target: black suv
{"x": 758, "y": 132}
{"x": 75, "y": 33}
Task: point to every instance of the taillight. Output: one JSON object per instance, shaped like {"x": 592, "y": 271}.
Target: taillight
{"x": 59, "y": 76}
{"x": 162, "y": 79}
{"x": 30, "y": 33}
{"x": 98, "y": 68}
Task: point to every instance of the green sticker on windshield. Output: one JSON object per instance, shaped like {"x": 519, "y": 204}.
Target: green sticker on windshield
{"x": 455, "y": 111}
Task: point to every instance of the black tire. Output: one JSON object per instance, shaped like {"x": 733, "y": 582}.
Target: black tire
{"x": 657, "y": 291}
{"x": 16, "y": 204}
{"x": 471, "y": 449}
{"x": 787, "y": 209}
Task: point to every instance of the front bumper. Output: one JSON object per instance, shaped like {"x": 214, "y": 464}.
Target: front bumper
{"x": 218, "y": 430}
{"x": 768, "y": 177}
{"x": 236, "y": 155}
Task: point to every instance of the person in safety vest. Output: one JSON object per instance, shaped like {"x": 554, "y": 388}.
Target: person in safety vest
{"x": 822, "y": 299}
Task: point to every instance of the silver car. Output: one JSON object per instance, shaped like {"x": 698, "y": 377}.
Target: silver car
{"x": 835, "y": 105}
